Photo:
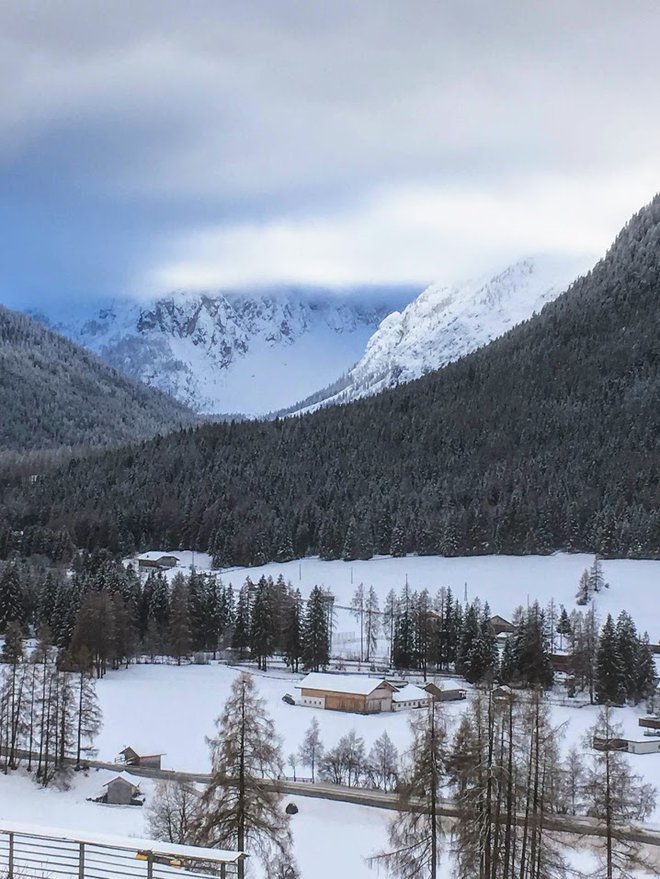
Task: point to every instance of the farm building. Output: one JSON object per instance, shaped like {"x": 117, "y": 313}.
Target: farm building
{"x": 158, "y": 560}
{"x": 361, "y": 695}
{"x": 450, "y": 694}
{"x": 121, "y": 791}
{"x": 501, "y": 626}
{"x": 140, "y": 757}
{"x": 410, "y": 696}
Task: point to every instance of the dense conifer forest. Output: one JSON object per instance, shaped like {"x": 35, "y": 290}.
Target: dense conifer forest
{"x": 54, "y": 393}
{"x": 544, "y": 440}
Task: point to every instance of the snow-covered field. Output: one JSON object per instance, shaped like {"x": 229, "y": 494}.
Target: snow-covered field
{"x": 504, "y": 581}
{"x": 173, "y": 708}
{"x": 317, "y": 827}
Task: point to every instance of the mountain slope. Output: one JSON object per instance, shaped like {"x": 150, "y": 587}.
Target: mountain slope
{"x": 55, "y": 394}
{"x": 445, "y": 323}
{"x": 243, "y": 353}
{"x": 545, "y": 439}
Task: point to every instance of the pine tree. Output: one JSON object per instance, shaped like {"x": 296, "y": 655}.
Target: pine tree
{"x": 180, "y": 633}
{"x": 610, "y": 676}
{"x": 12, "y": 599}
{"x": 293, "y": 636}
{"x": 564, "y": 629}
{"x": 263, "y": 634}
{"x": 316, "y": 639}
{"x": 645, "y": 678}
{"x": 627, "y": 648}
{"x": 238, "y": 811}
{"x": 241, "y": 635}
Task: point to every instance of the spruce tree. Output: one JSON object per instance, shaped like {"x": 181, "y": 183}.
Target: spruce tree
{"x": 610, "y": 680}
{"x": 12, "y": 599}
{"x": 316, "y": 640}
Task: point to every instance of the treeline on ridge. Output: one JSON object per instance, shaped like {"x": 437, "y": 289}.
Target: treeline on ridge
{"x": 544, "y": 440}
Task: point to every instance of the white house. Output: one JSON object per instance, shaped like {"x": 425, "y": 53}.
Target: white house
{"x": 410, "y": 696}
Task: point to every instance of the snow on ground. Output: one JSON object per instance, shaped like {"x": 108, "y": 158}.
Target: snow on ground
{"x": 173, "y": 708}
{"x": 330, "y": 839}
{"x": 504, "y": 581}
{"x": 317, "y": 827}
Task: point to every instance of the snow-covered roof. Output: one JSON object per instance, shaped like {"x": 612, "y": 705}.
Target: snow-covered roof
{"x": 142, "y": 751}
{"x": 213, "y": 855}
{"x": 356, "y": 685}
{"x": 411, "y": 693}
{"x": 121, "y": 776}
{"x": 154, "y": 556}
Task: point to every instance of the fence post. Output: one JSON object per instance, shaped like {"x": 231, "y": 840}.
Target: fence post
{"x": 150, "y": 865}
{"x": 10, "y": 873}
{"x": 81, "y": 861}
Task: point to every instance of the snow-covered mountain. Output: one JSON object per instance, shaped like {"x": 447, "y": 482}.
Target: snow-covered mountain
{"x": 446, "y": 322}
{"x": 233, "y": 352}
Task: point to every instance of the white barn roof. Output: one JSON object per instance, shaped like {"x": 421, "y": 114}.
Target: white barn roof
{"x": 154, "y": 556}
{"x": 411, "y": 693}
{"x": 355, "y": 685}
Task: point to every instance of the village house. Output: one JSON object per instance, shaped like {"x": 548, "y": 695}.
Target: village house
{"x": 156, "y": 560}
{"x": 501, "y": 626}
{"x": 121, "y": 791}
{"x": 140, "y": 757}
{"x": 354, "y": 693}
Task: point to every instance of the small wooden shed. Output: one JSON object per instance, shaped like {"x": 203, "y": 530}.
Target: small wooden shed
{"x": 133, "y": 756}
{"x": 440, "y": 694}
{"x": 121, "y": 791}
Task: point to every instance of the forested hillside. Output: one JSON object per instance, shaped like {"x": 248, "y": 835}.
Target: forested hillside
{"x": 54, "y": 393}
{"x": 546, "y": 439}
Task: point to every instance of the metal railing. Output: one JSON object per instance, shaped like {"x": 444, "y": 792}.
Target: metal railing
{"x": 27, "y": 854}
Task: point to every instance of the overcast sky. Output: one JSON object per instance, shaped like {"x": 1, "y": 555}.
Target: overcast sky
{"x": 147, "y": 145}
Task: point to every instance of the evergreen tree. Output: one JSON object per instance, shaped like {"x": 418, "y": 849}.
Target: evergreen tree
{"x": 180, "y": 632}
{"x": 610, "y": 676}
{"x": 263, "y": 634}
{"x": 293, "y": 634}
{"x": 316, "y": 640}
{"x": 12, "y": 599}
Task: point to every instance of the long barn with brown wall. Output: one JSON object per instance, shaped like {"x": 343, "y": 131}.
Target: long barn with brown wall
{"x": 352, "y": 693}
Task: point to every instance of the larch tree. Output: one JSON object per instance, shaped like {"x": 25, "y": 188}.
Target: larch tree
{"x": 311, "y": 749}
{"x": 616, "y": 797}
{"x": 416, "y": 834}
{"x": 241, "y": 807}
